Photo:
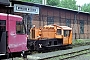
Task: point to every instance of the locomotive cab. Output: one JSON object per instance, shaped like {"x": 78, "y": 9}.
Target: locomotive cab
{"x": 67, "y": 35}
{"x": 63, "y": 33}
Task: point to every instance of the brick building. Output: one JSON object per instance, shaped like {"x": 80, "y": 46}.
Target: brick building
{"x": 79, "y": 21}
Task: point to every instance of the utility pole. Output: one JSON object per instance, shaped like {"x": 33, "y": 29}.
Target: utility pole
{"x": 44, "y": 2}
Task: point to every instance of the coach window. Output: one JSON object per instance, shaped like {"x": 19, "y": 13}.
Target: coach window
{"x": 81, "y": 27}
{"x": 50, "y": 20}
{"x": 20, "y": 28}
{"x": 2, "y": 25}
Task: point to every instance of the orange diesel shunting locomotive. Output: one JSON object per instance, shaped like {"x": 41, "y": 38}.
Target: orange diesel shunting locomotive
{"x": 56, "y": 35}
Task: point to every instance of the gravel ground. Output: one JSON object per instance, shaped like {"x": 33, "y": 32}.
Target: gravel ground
{"x": 14, "y": 59}
{"x": 81, "y": 57}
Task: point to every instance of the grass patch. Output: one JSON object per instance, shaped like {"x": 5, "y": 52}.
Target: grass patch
{"x": 81, "y": 42}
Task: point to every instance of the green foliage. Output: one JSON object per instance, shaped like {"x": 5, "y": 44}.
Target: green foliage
{"x": 86, "y": 7}
{"x": 71, "y": 4}
{"x": 33, "y": 1}
{"x": 53, "y": 2}
{"x": 27, "y": 0}
{"x": 80, "y": 42}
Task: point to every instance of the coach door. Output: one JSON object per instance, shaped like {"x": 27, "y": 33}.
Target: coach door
{"x": 2, "y": 36}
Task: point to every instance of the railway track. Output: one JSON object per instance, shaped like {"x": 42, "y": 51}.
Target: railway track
{"x": 61, "y": 55}
{"x": 69, "y": 55}
{"x": 58, "y": 55}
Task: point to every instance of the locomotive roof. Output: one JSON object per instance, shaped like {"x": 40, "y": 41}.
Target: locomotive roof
{"x": 63, "y": 27}
{"x": 58, "y": 27}
{"x": 66, "y": 28}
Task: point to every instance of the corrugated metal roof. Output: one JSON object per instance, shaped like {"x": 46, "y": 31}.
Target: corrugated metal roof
{"x": 36, "y": 4}
{"x": 5, "y": 2}
{"x": 65, "y": 9}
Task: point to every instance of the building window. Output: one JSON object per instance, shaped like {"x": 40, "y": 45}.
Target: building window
{"x": 20, "y": 28}
{"x": 68, "y": 23}
{"x": 50, "y": 20}
{"x": 81, "y": 27}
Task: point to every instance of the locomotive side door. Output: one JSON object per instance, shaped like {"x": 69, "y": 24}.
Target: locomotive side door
{"x": 66, "y": 37}
{"x": 3, "y": 42}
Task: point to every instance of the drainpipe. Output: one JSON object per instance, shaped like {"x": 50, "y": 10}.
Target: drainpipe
{"x": 79, "y": 9}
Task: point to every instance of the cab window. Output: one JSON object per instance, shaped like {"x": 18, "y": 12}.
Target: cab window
{"x": 20, "y": 28}
{"x": 66, "y": 33}
{"x": 58, "y": 31}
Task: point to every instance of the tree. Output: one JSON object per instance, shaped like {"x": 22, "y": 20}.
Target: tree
{"x": 49, "y": 2}
{"x": 71, "y": 4}
{"x": 33, "y": 1}
{"x": 86, "y": 7}
{"x": 53, "y": 2}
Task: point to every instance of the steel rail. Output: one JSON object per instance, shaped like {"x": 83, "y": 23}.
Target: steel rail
{"x": 69, "y": 55}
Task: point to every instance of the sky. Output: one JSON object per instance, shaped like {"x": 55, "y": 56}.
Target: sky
{"x": 81, "y": 2}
